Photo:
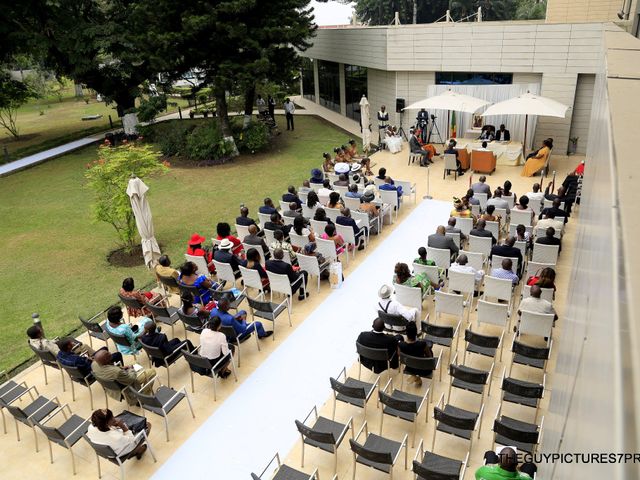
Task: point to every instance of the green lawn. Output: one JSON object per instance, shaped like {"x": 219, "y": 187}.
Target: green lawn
{"x": 54, "y": 257}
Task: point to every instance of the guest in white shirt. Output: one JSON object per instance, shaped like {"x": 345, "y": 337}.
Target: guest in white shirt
{"x": 393, "y": 307}
{"x": 461, "y": 265}
{"x": 536, "y": 195}
{"x": 325, "y": 191}
{"x": 105, "y": 429}
{"x": 535, "y": 304}
{"x": 213, "y": 344}
{"x": 550, "y": 221}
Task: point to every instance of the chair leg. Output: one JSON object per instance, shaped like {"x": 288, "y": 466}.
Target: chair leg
{"x": 46, "y": 380}
{"x": 73, "y": 461}
{"x": 189, "y": 403}
{"x": 17, "y": 429}
{"x": 35, "y": 437}
{"x": 90, "y": 396}
{"x": 4, "y": 421}
{"x": 73, "y": 392}
{"x": 215, "y": 390}
{"x": 50, "y": 451}
{"x": 98, "y": 463}
{"x": 166, "y": 426}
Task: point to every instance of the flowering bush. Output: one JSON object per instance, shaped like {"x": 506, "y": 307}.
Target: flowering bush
{"x": 109, "y": 175}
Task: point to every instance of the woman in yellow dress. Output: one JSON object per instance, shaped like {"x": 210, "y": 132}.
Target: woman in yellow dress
{"x": 536, "y": 161}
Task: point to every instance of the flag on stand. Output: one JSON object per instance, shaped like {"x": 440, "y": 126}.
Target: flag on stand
{"x": 453, "y": 125}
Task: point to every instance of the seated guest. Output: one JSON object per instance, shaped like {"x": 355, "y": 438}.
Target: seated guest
{"x": 537, "y": 159}
{"x": 483, "y": 147}
{"x": 382, "y": 175}
{"x": 107, "y": 430}
{"x": 535, "y": 195}
{"x": 37, "y": 340}
{"x": 481, "y": 231}
{"x": 115, "y": 324}
{"x": 330, "y": 234}
{"x": 460, "y": 210}
{"x": 300, "y": 228}
{"x": 451, "y": 228}
{"x": 253, "y": 263}
{"x": 154, "y": 338}
{"x": 452, "y": 150}
{"x": 503, "y": 466}
{"x": 334, "y": 201}
{"x": 353, "y": 192}
{"x": 279, "y": 243}
{"x": 376, "y": 338}
{"x": 188, "y": 306}
{"x": 189, "y": 276}
{"x": 238, "y": 321}
{"x": 317, "y": 176}
{"x": 536, "y": 304}
{"x": 312, "y": 200}
{"x": 389, "y": 186}
{"x": 503, "y": 135}
{"x": 310, "y": 250}
{"x": 440, "y": 240}
{"x": 244, "y": 218}
{"x": 325, "y": 191}
{"x": 506, "y": 191}
{"x": 403, "y": 277}
{"x": 523, "y": 206}
{"x": 487, "y": 134}
{"x": 549, "y": 220}
{"x": 305, "y": 188}
{"x": 276, "y": 223}
{"x": 471, "y": 199}
{"x": 508, "y": 250}
{"x": 462, "y": 265}
{"x": 68, "y": 358}
{"x": 422, "y": 258}
{"x": 367, "y": 206}
{"x": 488, "y": 216}
{"x": 506, "y": 271}
{"x": 345, "y": 219}
{"x": 416, "y": 348}
{"x": 499, "y": 202}
{"x": 223, "y": 229}
{"x": 320, "y": 215}
{"x": 225, "y": 255}
{"x": 292, "y": 196}
{"x": 546, "y": 278}
{"x": 292, "y": 212}
{"x": 164, "y": 269}
{"x": 523, "y": 235}
{"x": 196, "y": 249}
{"x": 416, "y": 147}
{"x": 214, "y": 344}
{"x": 327, "y": 163}
{"x": 342, "y": 181}
{"x": 550, "y": 238}
{"x": 298, "y": 279}
{"x": 104, "y": 369}
{"x": 128, "y": 290}
{"x": 556, "y": 210}
{"x": 389, "y": 305}
{"x": 268, "y": 208}
{"x": 481, "y": 187}
{"x": 254, "y": 239}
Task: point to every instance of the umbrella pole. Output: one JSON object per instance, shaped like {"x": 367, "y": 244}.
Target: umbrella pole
{"x": 448, "y": 124}
{"x": 524, "y": 144}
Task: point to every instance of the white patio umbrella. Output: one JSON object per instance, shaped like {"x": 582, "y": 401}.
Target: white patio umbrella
{"x": 364, "y": 123}
{"x": 137, "y": 189}
{"x": 451, "y": 101}
{"x": 528, "y": 104}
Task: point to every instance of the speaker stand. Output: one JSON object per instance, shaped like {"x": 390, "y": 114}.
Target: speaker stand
{"x": 428, "y": 196}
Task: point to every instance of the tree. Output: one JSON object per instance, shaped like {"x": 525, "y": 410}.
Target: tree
{"x": 382, "y": 12}
{"x": 109, "y": 175}
{"x": 492, "y": 10}
{"x": 531, "y": 10}
{"x": 13, "y": 94}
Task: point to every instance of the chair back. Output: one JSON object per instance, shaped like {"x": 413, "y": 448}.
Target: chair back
{"x": 351, "y": 203}
{"x": 263, "y": 307}
{"x": 455, "y": 236}
{"x": 464, "y": 224}
{"x": 539, "y": 324}
{"x": 521, "y": 217}
{"x": 224, "y": 271}
{"x": 169, "y": 282}
{"x": 375, "y": 354}
{"x": 432, "y": 470}
{"x": 280, "y": 283}
{"x": 494, "y": 228}
{"x": 150, "y": 401}
{"x": 464, "y": 282}
{"x": 287, "y": 220}
{"x": 547, "y": 293}
{"x": 468, "y": 375}
{"x": 485, "y": 341}
{"x": 496, "y": 262}
{"x": 192, "y": 289}
{"x": 397, "y": 321}
{"x": 284, "y": 206}
{"x": 449, "y": 303}
{"x": 450, "y": 162}
{"x": 541, "y": 232}
{"x": 327, "y": 248}
{"x": 158, "y": 311}
{"x": 111, "y": 385}
{"x": 318, "y": 226}
{"x": 522, "y": 389}
{"x": 45, "y": 356}
{"x": 545, "y": 253}
{"x": 535, "y": 267}
{"x": 326, "y": 438}
{"x": 482, "y": 197}
{"x": 77, "y": 376}
{"x": 230, "y": 333}
{"x": 242, "y": 231}
{"x": 522, "y": 246}
{"x": 390, "y": 197}
{"x": 378, "y": 181}
{"x": 308, "y": 264}
{"x": 191, "y": 322}
{"x": 549, "y": 204}
{"x": 408, "y": 188}
{"x": 268, "y": 236}
{"x": 418, "y": 363}
{"x": 376, "y": 456}
{"x": 430, "y": 270}
{"x": 528, "y": 351}
{"x": 476, "y": 259}
{"x": 120, "y": 340}
{"x": 475, "y": 209}
{"x": 201, "y": 263}
{"x": 501, "y": 212}
{"x": 493, "y": 313}
{"x": 363, "y": 217}
{"x": 286, "y": 258}
{"x": 298, "y": 240}
{"x": 94, "y": 327}
{"x": 104, "y": 451}
{"x": 451, "y": 420}
{"x": 153, "y": 352}
{"x": 438, "y": 331}
{"x": 390, "y": 401}
{"x": 513, "y": 225}
{"x": 511, "y": 200}
{"x": 303, "y": 197}
{"x": 347, "y": 233}
{"x": 499, "y": 288}
{"x": 308, "y": 212}
{"x": 346, "y": 390}
{"x": 251, "y": 278}
{"x": 332, "y": 213}
{"x": 341, "y": 189}
{"x": 516, "y": 435}
{"x": 409, "y": 296}
{"x": 131, "y": 302}
{"x": 480, "y": 244}
{"x": 198, "y": 363}
{"x": 264, "y": 218}
{"x": 442, "y": 256}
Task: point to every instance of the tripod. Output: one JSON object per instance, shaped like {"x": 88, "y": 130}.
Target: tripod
{"x": 433, "y": 127}
{"x": 401, "y": 131}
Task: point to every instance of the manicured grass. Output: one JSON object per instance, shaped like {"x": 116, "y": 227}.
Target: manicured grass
{"x": 54, "y": 256}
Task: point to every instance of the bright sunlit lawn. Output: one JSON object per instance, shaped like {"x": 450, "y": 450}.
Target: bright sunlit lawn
{"x": 54, "y": 257}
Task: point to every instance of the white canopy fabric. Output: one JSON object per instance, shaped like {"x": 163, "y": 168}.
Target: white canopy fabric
{"x": 364, "y": 122}
{"x": 528, "y": 104}
{"x": 137, "y": 189}
{"x": 450, "y": 100}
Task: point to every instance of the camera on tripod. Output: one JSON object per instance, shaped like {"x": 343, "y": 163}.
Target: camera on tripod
{"x": 433, "y": 117}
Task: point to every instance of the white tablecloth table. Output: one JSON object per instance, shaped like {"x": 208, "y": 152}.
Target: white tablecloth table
{"x": 507, "y": 153}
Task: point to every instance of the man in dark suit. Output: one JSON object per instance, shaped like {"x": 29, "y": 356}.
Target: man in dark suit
{"x": 254, "y": 239}
{"x": 557, "y": 211}
{"x": 224, "y": 255}
{"x": 550, "y": 239}
{"x": 276, "y": 223}
{"x": 503, "y": 134}
{"x": 342, "y": 181}
{"x": 480, "y": 231}
{"x": 292, "y": 196}
{"x": 244, "y": 218}
{"x": 378, "y": 339}
{"x": 508, "y": 250}
{"x": 296, "y": 279}
{"x": 154, "y": 338}
{"x": 415, "y": 147}
{"x": 440, "y": 240}
{"x": 451, "y": 228}
{"x": 345, "y": 219}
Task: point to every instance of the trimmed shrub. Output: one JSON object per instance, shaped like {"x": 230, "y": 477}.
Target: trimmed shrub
{"x": 206, "y": 143}
{"x": 255, "y": 137}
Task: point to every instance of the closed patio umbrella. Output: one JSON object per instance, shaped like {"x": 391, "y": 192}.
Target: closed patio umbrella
{"x": 137, "y": 190}
{"x": 364, "y": 123}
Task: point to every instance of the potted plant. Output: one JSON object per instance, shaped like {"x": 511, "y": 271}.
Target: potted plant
{"x": 573, "y": 144}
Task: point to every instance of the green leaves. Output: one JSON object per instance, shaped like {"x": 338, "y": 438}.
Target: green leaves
{"x": 13, "y": 94}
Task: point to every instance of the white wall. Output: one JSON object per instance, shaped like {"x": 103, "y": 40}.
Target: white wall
{"x": 582, "y": 111}
{"x": 560, "y": 87}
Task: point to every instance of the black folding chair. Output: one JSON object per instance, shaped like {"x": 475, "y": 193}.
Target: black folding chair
{"x": 391, "y": 321}
{"x": 437, "y": 466}
{"x": 352, "y": 391}
{"x": 284, "y": 472}
{"x": 204, "y": 366}
{"x": 95, "y": 330}
{"x": 377, "y": 452}
{"x": 159, "y": 359}
{"x": 35, "y": 412}
{"x": 48, "y": 359}
{"x": 106, "y": 452}
{"x": 76, "y": 376}
{"x": 166, "y": 315}
{"x": 268, "y": 311}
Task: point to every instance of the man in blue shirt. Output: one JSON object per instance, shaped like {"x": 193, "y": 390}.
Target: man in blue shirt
{"x": 506, "y": 272}
{"x": 67, "y": 358}
{"x": 388, "y": 185}
{"x": 353, "y": 192}
{"x": 239, "y": 321}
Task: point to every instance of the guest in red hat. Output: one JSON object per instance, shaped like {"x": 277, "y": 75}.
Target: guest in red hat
{"x": 196, "y": 249}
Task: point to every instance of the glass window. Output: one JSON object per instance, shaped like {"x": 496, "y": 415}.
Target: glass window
{"x": 308, "y": 85}
{"x": 355, "y": 78}
{"x": 473, "y": 78}
{"x": 329, "y": 83}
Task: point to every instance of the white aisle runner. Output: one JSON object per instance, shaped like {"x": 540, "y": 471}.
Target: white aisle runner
{"x": 258, "y": 418}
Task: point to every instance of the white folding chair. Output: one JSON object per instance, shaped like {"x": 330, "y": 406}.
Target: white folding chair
{"x": 264, "y": 218}
{"x": 318, "y": 226}
{"x": 268, "y": 236}
{"x": 242, "y": 231}
{"x": 455, "y": 236}
{"x": 496, "y": 262}
{"x": 464, "y": 224}
{"x": 408, "y": 189}
{"x": 464, "y": 283}
{"x": 481, "y": 245}
{"x": 298, "y": 241}
{"x": 279, "y": 283}
{"x": 475, "y": 209}
{"x": 536, "y": 324}
{"x": 332, "y": 213}
{"x": 476, "y": 259}
{"x": 430, "y": 270}
{"x": 535, "y": 206}
{"x": 545, "y": 253}
{"x": 511, "y": 201}
{"x": 225, "y": 272}
{"x": 391, "y": 197}
{"x": 351, "y": 203}
{"x": 522, "y": 246}
{"x": 547, "y": 293}
{"x": 513, "y": 225}
{"x": 520, "y": 217}
{"x": 346, "y": 232}
{"x": 284, "y": 206}
{"x": 449, "y": 304}
{"x": 327, "y": 248}
{"x": 482, "y": 197}
{"x": 494, "y": 314}
{"x": 251, "y": 279}
{"x": 200, "y": 262}
{"x": 442, "y": 256}
{"x": 542, "y": 232}
{"x": 341, "y": 189}
{"x": 303, "y": 196}
{"x": 534, "y": 267}
{"x": 498, "y": 288}
{"x": 549, "y": 204}
{"x": 363, "y": 218}
{"x": 311, "y": 265}
{"x": 409, "y": 296}
{"x": 308, "y": 212}
{"x": 494, "y": 228}
{"x": 285, "y": 258}
{"x": 450, "y": 165}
